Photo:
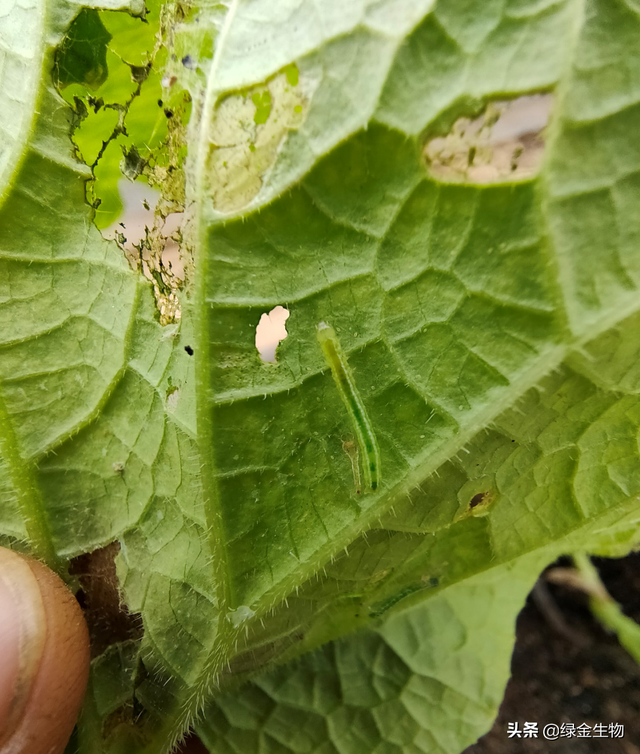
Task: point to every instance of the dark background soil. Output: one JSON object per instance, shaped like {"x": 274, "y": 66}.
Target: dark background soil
{"x": 571, "y": 670}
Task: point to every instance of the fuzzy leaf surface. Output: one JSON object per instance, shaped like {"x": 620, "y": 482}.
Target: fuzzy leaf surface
{"x": 489, "y": 320}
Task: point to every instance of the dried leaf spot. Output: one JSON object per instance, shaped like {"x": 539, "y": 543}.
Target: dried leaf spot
{"x": 132, "y": 164}
{"x": 140, "y": 73}
{"x": 479, "y": 505}
{"x": 477, "y": 499}
{"x": 246, "y": 132}
{"x": 270, "y": 332}
{"x": 505, "y": 143}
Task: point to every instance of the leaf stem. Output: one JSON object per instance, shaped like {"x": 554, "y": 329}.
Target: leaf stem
{"x": 606, "y": 609}
{"x": 205, "y": 426}
{"x": 227, "y": 635}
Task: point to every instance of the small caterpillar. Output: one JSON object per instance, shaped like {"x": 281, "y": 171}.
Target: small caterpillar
{"x": 347, "y": 388}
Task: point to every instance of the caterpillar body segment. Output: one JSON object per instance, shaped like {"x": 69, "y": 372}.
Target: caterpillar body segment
{"x": 346, "y": 385}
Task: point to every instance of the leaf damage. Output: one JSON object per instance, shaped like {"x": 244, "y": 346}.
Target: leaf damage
{"x": 246, "y": 132}
{"x": 504, "y": 143}
{"x": 163, "y": 255}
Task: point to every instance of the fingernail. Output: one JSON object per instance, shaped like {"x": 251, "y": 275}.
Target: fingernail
{"x": 22, "y": 637}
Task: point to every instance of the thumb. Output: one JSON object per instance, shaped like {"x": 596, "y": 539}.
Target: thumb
{"x": 44, "y": 658}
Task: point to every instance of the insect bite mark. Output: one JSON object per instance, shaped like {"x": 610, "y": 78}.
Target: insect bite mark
{"x": 270, "y": 332}
{"x": 477, "y": 499}
{"x": 502, "y": 144}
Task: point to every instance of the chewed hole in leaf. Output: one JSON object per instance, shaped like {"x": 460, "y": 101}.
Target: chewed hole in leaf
{"x": 151, "y": 238}
{"x": 171, "y": 257}
{"x": 139, "y": 201}
{"x": 270, "y": 332}
{"x": 504, "y": 143}
{"x": 108, "y": 619}
{"x": 246, "y": 133}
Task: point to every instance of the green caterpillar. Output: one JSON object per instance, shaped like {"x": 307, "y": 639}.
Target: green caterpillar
{"x": 347, "y": 388}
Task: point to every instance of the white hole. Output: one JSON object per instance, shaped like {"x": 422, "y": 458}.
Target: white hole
{"x": 270, "y": 331}
{"x": 135, "y": 216}
{"x": 171, "y": 254}
{"x": 504, "y": 143}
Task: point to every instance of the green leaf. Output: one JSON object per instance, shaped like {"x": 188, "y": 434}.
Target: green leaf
{"x": 360, "y": 165}
{"x": 409, "y": 686}
{"x": 82, "y": 56}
